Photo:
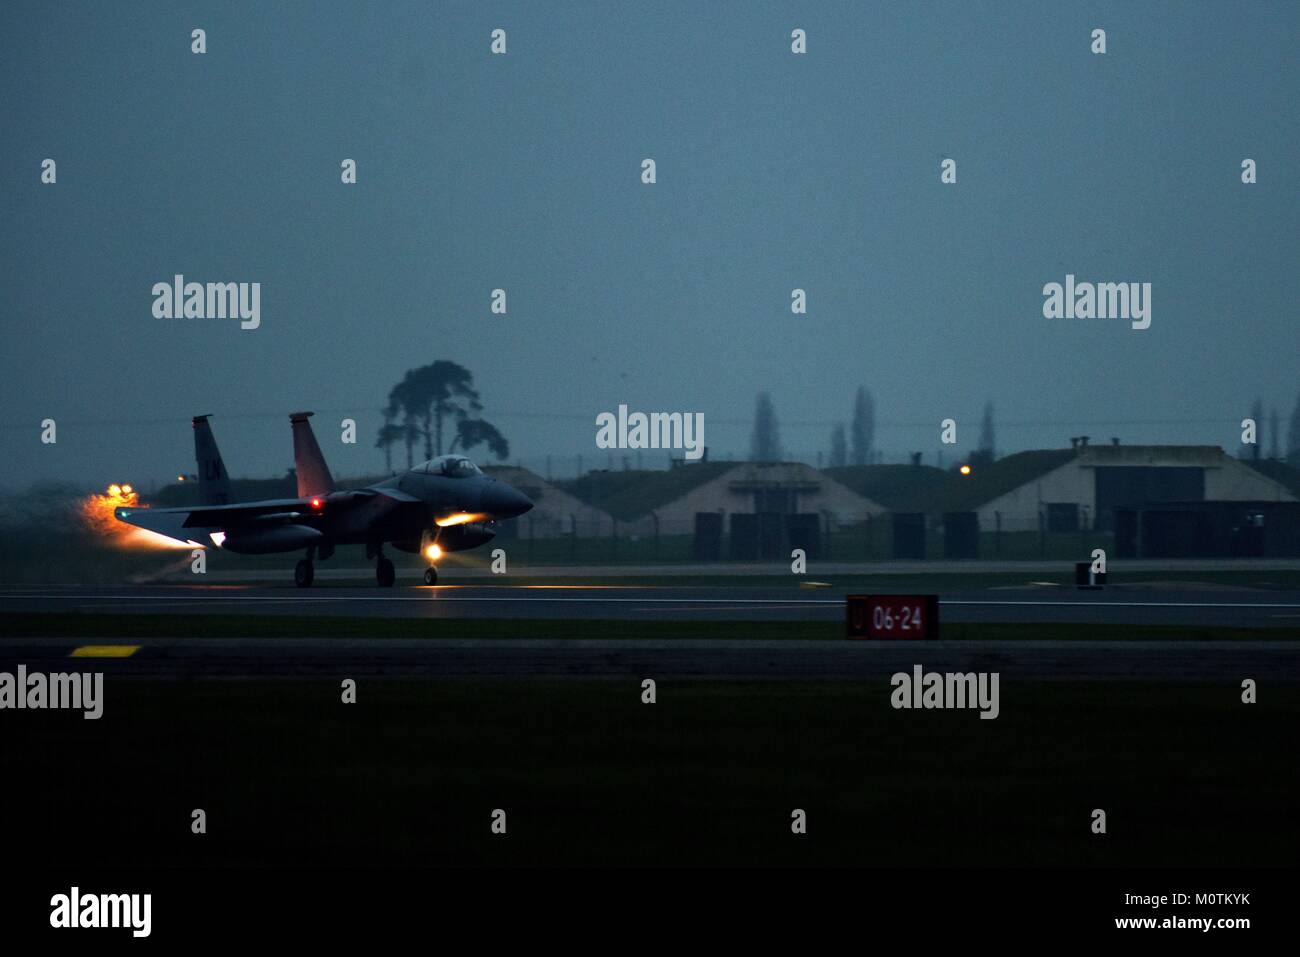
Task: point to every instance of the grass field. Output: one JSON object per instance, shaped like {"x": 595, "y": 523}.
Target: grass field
{"x": 587, "y": 774}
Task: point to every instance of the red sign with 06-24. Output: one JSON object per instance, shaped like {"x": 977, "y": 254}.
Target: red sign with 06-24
{"x": 892, "y": 616}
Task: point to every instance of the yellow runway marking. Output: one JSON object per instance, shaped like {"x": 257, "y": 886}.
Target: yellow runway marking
{"x": 104, "y": 651}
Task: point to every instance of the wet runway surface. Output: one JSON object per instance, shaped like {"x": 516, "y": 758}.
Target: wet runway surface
{"x": 1130, "y": 605}
{"x": 184, "y": 658}
{"x": 442, "y": 655}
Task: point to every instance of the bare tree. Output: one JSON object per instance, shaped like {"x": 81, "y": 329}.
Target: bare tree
{"x": 1293, "y": 435}
{"x": 839, "y": 446}
{"x": 863, "y": 427}
{"x": 765, "y": 443}
{"x": 987, "y": 441}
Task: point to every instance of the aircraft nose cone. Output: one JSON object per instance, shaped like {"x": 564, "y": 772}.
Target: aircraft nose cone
{"x": 502, "y": 501}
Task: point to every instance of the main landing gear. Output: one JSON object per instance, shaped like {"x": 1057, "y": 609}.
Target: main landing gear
{"x": 305, "y": 571}
{"x": 384, "y": 573}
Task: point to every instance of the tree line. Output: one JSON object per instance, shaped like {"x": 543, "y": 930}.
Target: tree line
{"x": 854, "y": 445}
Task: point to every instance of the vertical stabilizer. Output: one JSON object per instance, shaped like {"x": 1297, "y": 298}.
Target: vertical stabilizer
{"x": 313, "y": 474}
{"x": 214, "y": 483}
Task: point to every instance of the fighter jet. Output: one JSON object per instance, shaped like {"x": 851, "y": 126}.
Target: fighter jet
{"x": 444, "y": 505}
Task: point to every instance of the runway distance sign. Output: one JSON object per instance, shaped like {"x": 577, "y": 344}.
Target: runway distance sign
{"x": 892, "y": 616}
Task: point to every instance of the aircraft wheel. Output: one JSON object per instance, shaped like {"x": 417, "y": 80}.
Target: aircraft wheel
{"x": 303, "y": 573}
{"x": 431, "y": 576}
{"x": 384, "y": 573}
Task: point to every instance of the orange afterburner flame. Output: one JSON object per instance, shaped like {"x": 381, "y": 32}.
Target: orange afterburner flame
{"x": 460, "y": 518}
{"x": 96, "y": 513}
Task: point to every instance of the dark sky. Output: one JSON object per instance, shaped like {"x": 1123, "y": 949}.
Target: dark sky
{"x": 775, "y": 171}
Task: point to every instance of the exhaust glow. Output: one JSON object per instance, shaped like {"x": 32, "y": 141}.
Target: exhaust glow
{"x": 96, "y": 513}
{"x": 460, "y": 518}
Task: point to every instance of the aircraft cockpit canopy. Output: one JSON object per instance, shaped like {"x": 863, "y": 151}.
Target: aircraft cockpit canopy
{"x": 450, "y": 466}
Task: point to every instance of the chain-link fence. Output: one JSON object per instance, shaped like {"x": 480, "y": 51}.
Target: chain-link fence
{"x": 715, "y": 537}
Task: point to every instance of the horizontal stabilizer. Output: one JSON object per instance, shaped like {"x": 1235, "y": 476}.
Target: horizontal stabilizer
{"x": 192, "y": 524}
{"x": 167, "y": 522}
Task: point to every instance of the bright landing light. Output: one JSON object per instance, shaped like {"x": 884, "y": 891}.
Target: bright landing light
{"x": 433, "y": 553}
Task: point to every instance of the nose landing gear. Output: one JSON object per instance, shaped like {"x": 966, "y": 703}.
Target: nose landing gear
{"x": 432, "y": 551}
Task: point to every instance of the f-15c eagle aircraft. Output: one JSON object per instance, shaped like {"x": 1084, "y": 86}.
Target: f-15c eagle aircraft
{"x": 444, "y": 505}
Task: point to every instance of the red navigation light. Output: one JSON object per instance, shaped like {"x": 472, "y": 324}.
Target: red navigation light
{"x": 315, "y": 503}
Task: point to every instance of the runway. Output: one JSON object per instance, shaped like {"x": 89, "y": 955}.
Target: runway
{"x": 444, "y": 655}
{"x": 1238, "y": 608}
{"x": 433, "y": 658}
